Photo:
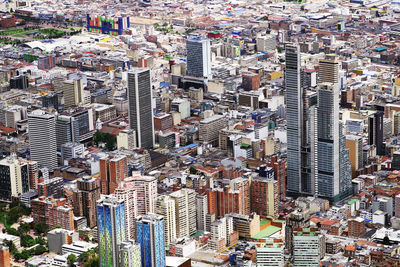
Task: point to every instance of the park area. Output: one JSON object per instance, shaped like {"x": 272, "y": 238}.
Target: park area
{"x": 28, "y": 33}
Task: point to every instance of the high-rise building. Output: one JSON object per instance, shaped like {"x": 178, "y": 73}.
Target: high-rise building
{"x": 198, "y": 57}
{"x": 279, "y": 166}
{"x": 53, "y": 212}
{"x": 140, "y": 107}
{"x": 150, "y": 236}
{"x": 300, "y": 218}
{"x": 67, "y": 130}
{"x": 70, "y": 151}
{"x": 51, "y": 187}
{"x": 165, "y": 207}
{"x": 129, "y": 254}
{"x": 185, "y": 212}
{"x": 201, "y": 211}
{"x": 334, "y": 168}
{"x": 73, "y": 92}
{"x": 129, "y": 196}
{"x": 375, "y": 132}
{"x": 42, "y": 139}
{"x": 329, "y": 69}
{"x": 85, "y": 199}
{"x": 110, "y": 229}
{"x": 126, "y": 139}
{"x": 113, "y": 170}
{"x": 356, "y": 227}
{"x": 33, "y": 174}
{"x": 301, "y": 127}
{"x": 14, "y": 177}
{"x": 146, "y": 190}
{"x": 354, "y": 145}
{"x": 308, "y": 247}
{"x": 209, "y": 128}
{"x": 264, "y": 197}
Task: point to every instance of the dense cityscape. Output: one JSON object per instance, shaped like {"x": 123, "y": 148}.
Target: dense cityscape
{"x": 199, "y": 133}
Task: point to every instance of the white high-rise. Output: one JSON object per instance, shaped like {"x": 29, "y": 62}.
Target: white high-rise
{"x": 146, "y": 190}
{"x": 42, "y": 139}
{"x": 129, "y": 196}
{"x": 185, "y": 210}
{"x": 201, "y": 211}
{"x": 166, "y": 207}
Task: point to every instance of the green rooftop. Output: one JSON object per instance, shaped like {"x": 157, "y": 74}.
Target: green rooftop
{"x": 270, "y": 230}
{"x": 352, "y": 201}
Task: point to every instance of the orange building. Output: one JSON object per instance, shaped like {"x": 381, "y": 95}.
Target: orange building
{"x": 279, "y": 166}
{"x": 4, "y": 256}
{"x": 113, "y": 169}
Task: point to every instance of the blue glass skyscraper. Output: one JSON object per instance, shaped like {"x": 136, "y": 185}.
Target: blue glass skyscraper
{"x": 150, "y": 236}
{"x": 111, "y": 229}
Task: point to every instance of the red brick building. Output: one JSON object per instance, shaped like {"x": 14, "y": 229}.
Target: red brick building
{"x": 4, "y": 256}
{"x": 356, "y": 227}
{"x": 113, "y": 169}
{"x": 53, "y": 212}
{"x": 279, "y": 166}
{"x": 250, "y": 81}
{"x": 7, "y": 21}
{"x": 264, "y": 197}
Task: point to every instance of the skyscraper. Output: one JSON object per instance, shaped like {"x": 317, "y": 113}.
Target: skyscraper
{"x": 165, "y": 207}
{"x": 111, "y": 229}
{"x": 14, "y": 177}
{"x": 150, "y": 236}
{"x": 113, "y": 170}
{"x": 329, "y": 69}
{"x": 198, "y": 57}
{"x": 146, "y": 189}
{"x": 201, "y": 211}
{"x": 375, "y": 132}
{"x": 301, "y": 126}
{"x": 334, "y": 174}
{"x": 85, "y": 199}
{"x": 67, "y": 130}
{"x": 42, "y": 139}
{"x": 185, "y": 212}
{"x": 140, "y": 107}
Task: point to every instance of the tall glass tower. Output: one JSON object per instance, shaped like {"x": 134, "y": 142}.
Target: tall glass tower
{"x": 111, "y": 229}
{"x": 150, "y": 236}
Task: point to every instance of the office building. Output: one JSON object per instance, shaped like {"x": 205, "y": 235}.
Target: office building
{"x": 73, "y": 92}
{"x": 85, "y": 199}
{"x": 129, "y": 196}
{"x": 163, "y": 122}
{"x": 301, "y": 127}
{"x": 14, "y": 177}
{"x": 182, "y": 106}
{"x": 266, "y": 43}
{"x": 129, "y": 254}
{"x": 70, "y": 151}
{"x": 150, "y": 236}
{"x": 329, "y": 69}
{"x": 354, "y": 144}
{"x": 126, "y": 139}
{"x": 334, "y": 180}
{"x": 198, "y": 57}
{"x": 279, "y": 166}
{"x": 33, "y": 174}
{"x": 42, "y": 139}
{"x": 85, "y": 122}
{"x": 67, "y": 130}
{"x": 140, "y": 107}
{"x": 165, "y": 206}
{"x": 201, "y": 211}
{"x": 185, "y": 212}
{"x": 299, "y": 218}
{"x": 246, "y": 225}
{"x": 264, "y": 195}
{"x": 250, "y": 81}
{"x": 270, "y": 254}
{"x": 110, "y": 229}
{"x": 209, "y": 128}
{"x": 113, "y": 170}
{"x": 375, "y": 132}
{"x": 308, "y": 247}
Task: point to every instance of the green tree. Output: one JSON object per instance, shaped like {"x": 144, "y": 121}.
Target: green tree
{"x": 39, "y": 250}
{"x": 279, "y": 49}
{"x": 97, "y": 137}
{"x": 24, "y": 228}
{"x": 12, "y": 231}
{"x": 41, "y": 228}
{"x": 93, "y": 262}
{"x": 192, "y": 170}
{"x": 302, "y": 8}
{"x": 83, "y": 257}
{"x": 71, "y": 259}
{"x": 25, "y": 254}
{"x": 27, "y": 241}
{"x": 110, "y": 141}
{"x": 40, "y": 240}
